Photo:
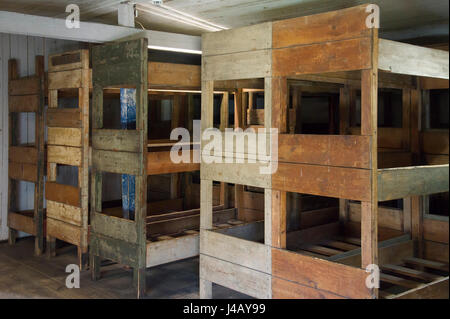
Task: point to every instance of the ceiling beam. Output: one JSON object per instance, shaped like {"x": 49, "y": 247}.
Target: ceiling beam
{"x": 17, "y": 23}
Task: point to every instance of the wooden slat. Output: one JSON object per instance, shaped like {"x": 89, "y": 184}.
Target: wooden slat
{"x": 387, "y": 217}
{"x": 65, "y": 194}
{"x": 68, "y": 61}
{"x": 64, "y": 155}
{"x": 64, "y": 136}
{"x": 117, "y": 140}
{"x": 435, "y": 230}
{"x": 410, "y": 59}
{"x": 161, "y": 163}
{"x": 435, "y": 142}
{"x": 398, "y": 281}
{"x": 23, "y": 171}
{"x": 21, "y": 222}
{"x": 24, "y": 86}
{"x": 116, "y": 162}
{"x": 114, "y": 227}
{"x": 322, "y": 250}
{"x": 237, "y": 66}
{"x": 162, "y": 252}
{"x": 20, "y": 154}
{"x": 64, "y": 231}
{"x": 114, "y": 249}
{"x": 169, "y": 75}
{"x": 331, "y": 26}
{"x": 344, "y": 151}
{"x": 63, "y": 118}
{"x": 338, "y": 56}
{"x": 63, "y": 212}
{"x": 404, "y": 271}
{"x": 435, "y": 290}
{"x": 320, "y": 274}
{"x": 237, "y": 251}
{"x": 427, "y": 263}
{"x": 435, "y": 251}
{"x": 399, "y": 183}
{"x": 65, "y": 79}
{"x": 24, "y": 103}
{"x": 327, "y": 181}
{"x": 245, "y": 280}
{"x": 283, "y": 289}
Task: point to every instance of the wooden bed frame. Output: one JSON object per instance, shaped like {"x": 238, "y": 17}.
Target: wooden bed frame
{"x": 335, "y": 47}
{"x": 26, "y": 162}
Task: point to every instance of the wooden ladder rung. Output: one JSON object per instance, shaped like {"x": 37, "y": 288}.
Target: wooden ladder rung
{"x": 427, "y": 263}
{"x": 410, "y": 272}
{"x": 322, "y": 250}
{"x": 399, "y": 281}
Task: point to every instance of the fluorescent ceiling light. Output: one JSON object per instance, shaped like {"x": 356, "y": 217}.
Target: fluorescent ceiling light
{"x": 156, "y": 47}
{"x": 181, "y": 17}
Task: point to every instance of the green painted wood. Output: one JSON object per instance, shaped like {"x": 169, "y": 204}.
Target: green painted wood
{"x": 403, "y": 182}
{"x": 115, "y": 227}
{"x": 117, "y": 162}
{"x": 117, "y": 140}
{"x": 114, "y": 249}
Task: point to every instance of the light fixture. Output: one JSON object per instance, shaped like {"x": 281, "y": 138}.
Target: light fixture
{"x": 160, "y": 48}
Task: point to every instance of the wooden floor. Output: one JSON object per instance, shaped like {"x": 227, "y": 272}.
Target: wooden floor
{"x": 23, "y": 275}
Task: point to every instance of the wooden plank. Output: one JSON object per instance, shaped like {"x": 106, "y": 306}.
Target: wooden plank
{"x": 161, "y": 163}
{"x": 408, "y": 272}
{"x": 163, "y": 252}
{"x": 63, "y": 212}
{"x": 65, "y": 194}
{"x": 23, "y": 171}
{"x": 410, "y": 59}
{"x": 435, "y": 290}
{"x": 398, "y": 281}
{"x": 63, "y": 118}
{"x": 327, "y": 181}
{"x": 114, "y": 227}
{"x": 427, "y": 263}
{"x": 283, "y": 289}
{"x": 69, "y": 61}
{"x": 117, "y": 162}
{"x": 435, "y": 142}
{"x": 279, "y": 227}
{"x": 114, "y": 249}
{"x": 65, "y": 79}
{"x": 244, "y": 39}
{"x": 20, "y": 154}
{"x": 325, "y": 27}
{"x": 237, "y": 66}
{"x": 346, "y": 55}
{"x": 21, "y": 222}
{"x": 64, "y": 155}
{"x": 387, "y": 217}
{"x": 24, "y": 86}
{"x": 117, "y": 140}
{"x": 237, "y": 251}
{"x": 433, "y": 84}
{"x": 170, "y": 75}
{"x": 320, "y": 274}
{"x": 342, "y": 150}
{"x": 435, "y": 251}
{"x": 24, "y": 103}
{"x": 245, "y": 280}
{"x": 64, "y": 136}
{"x": 64, "y": 231}
{"x": 435, "y": 230}
{"x": 396, "y": 183}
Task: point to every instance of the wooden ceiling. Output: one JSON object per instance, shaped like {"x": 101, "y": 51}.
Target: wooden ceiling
{"x": 405, "y": 19}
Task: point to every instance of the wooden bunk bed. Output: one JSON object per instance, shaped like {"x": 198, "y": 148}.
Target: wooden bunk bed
{"x": 68, "y": 146}
{"x": 265, "y": 260}
{"x": 161, "y": 232}
{"x": 26, "y": 161}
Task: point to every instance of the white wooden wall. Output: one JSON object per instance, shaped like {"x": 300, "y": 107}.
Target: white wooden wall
{"x": 24, "y": 49}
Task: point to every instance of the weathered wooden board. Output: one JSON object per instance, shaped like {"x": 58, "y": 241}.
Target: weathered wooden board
{"x": 64, "y": 136}
{"x": 435, "y": 142}
{"x": 238, "y": 251}
{"x": 347, "y": 183}
{"x": 326, "y": 27}
{"x": 342, "y": 150}
{"x": 166, "y": 251}
{"x": 320, "y": 274}
{"x": 64, "y": 155}
{"x": 388, "y": 137}
{"x": 68, "y": 61}
{"x": 117, "y": 140}
{"x": 435, "y": 251}
{"x": 237, "y": 66}
{"x": 116, "y": 162}
{"x": 24, "y": 86}
{"x": 167, "y": 75}
{"x": 111, "y": 226}
{"x": 63, "y": 212}
{"x": 161, "y": 163}
{"x": 347, "y": 55}
{"x": 23, "y": 171}
{"x": 245, "y": 280}
{"x": 410, "y": 59}
{"x": 284, "y": 289}
{"x": 436, "y": 159}
{"x": 18, "y": 154}
{"x": 114, "y": 249}
{"x": 435, "y": 290}
{"x": 64, "y": 118}
{"x": 387, "y": 217}
{"x": 24, "y": 103}
{"x": 65, "y": 79}
{"x": 60, "y": 193}
{"x": 433, "y": 84}
{"x": 394, "y": 159}
{"x": 64, "y": 231}
{"x": 249, "y": 38}
{"x": 396, "y": 183}
{"x": 21, "y": 222}
{"x": 435, "y": 230}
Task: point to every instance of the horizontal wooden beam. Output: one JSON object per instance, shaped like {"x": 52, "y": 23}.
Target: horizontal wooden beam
{"x": 397, "y": 183}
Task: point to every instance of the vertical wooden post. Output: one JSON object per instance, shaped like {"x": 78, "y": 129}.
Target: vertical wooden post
{"x": 369, "y": 125}
{"x": 224, "y": 123}
{"x": 406, "y": 119}
{"x": 344, "y": 127}
{"x": 240, "y": 107}
{"x": 417, "y": 224}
